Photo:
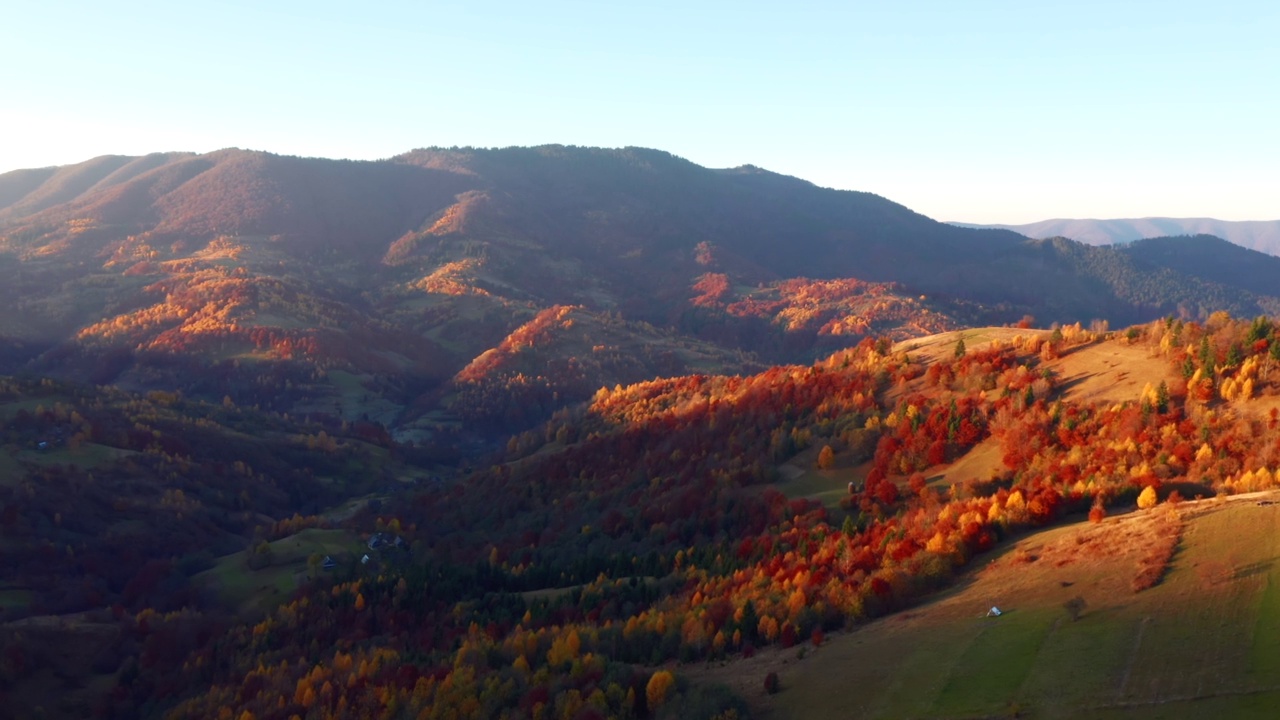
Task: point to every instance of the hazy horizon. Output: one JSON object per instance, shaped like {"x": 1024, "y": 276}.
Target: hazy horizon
{"x": 1107, "y": 219}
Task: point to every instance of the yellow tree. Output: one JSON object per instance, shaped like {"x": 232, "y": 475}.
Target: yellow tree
{"x": 1147, "y": 498}
{"x": 659, "y": 685}
{"x": 826, "y": 458}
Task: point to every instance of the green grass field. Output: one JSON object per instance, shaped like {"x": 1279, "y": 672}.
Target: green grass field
{"x": 825, "y": 486}
{"x": 10, "y": 469}
{"x": 86, "y": 456}
{"x": 10, "y": 409}
{"x": 1203, "y": 643}
{"x": 14, "y": 598}
{"x": 253, "y": 592}
{"x": 352, "y": 400}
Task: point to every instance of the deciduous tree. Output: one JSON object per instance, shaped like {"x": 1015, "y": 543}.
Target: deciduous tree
{"x": 1147, "y": 498}
{"x": 826, "y": 458}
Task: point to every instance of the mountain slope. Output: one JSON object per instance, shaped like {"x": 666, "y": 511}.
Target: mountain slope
{"x": 654, "y": 524}
{"x": 1127, "y": 655}
{"x": 1211, "y": 259}
{"x": 206, "y": 273}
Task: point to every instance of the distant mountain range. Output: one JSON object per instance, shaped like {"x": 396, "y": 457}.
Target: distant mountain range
{"x": 487, "y": 288}
{"x": 1260, "y": 235}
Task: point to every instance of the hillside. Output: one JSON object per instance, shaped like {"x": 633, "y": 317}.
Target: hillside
{"x": 1260, "y": 235}
{"x": 113, "y": 505}
{"x": 367, "y": 287}
{"x": 1210, "y": 259}
{"x": 1195, "y": 644}
{"x": 704, "y": 519}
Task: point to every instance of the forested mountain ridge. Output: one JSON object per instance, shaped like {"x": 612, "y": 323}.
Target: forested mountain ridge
{"x": 378, "y": 283}
{"x": 1210, "y": 259}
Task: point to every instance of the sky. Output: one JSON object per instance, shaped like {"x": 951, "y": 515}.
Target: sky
{"x": 975, "y": 111}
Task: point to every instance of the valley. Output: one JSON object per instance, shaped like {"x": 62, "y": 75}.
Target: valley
{"x": 604, "y": 433}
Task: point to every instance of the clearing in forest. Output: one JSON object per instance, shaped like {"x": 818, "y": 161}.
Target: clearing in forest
{"x": 251, "y": 592}
{"x": 1110, "y": 372}
{"x": 943, "y": 345}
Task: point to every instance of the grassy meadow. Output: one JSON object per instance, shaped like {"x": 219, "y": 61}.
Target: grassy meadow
{"x": 253, "y": 592}
{"x": 1203, "y": 642}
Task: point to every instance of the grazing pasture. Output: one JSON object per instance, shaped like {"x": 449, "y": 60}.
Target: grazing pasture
{"x": 252, "y": 592}
{"x": 1203, "y": 641}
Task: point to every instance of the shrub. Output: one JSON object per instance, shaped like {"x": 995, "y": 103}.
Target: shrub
{"x": 771, "y": 683}
{"x": 788, "y": 635}
{"x": 1074, "y": 607}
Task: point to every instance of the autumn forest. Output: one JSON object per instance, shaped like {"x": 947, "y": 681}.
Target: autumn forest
{"x": 563, "y": 432}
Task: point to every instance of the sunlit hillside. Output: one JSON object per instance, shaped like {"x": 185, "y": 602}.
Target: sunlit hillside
{"x": 207, "y": 273}
{"x": 604, "y": 433}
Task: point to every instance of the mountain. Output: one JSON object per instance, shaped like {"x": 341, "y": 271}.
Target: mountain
{"x": 1209, "y": 258}
{"x": 589, "y": 432}
{"x": 414, "y": 291}
{"x": 1260, "y": 235}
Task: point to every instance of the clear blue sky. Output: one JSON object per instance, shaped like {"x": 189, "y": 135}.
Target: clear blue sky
{"x": 977, "y": 111}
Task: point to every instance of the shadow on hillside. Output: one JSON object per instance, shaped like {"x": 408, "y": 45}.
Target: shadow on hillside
{"x": 1257, "y": 568}
{"x": 1068, "y": 352}
{"x": 1104, "y": 613}
{"x": 1188, "y": 490}
{"x": 967, "y": 576}
{"x": 1066, "y": 385}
